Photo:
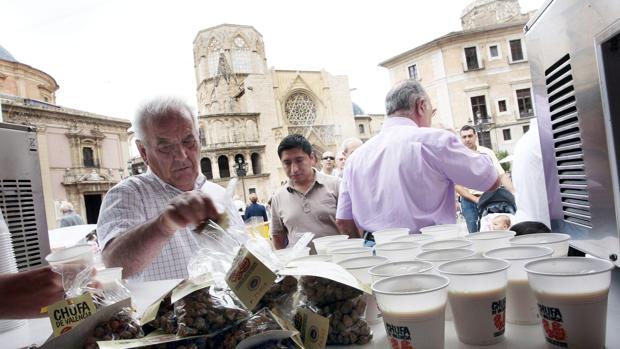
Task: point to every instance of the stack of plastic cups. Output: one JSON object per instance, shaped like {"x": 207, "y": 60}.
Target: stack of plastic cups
{"x": 521, "y": 307}
{"x": 398, "y": 251}
{"x": 477, "y": 295}
{"x": 359, "y": 267}
{"x": 443, "y": 231}
{"x": 320, "y": 244}
{"x": 446, "y": 244}
{"x": 572, "y": 299}
{"x": 413, "y": 310}
{"x": 386, "y": 270}
{"x": 7, "y": 266}
{"x": 340, "y": 254}
{"x": 419, "y": 238}
{"x": 558, "y": 242}
{"x": 387, "y": 235}
{"x": 489, "y": 240}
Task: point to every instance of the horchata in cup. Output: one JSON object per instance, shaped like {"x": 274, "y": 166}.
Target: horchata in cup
{"x": 387, "y": 270}
{"x": 387, "y": 235}
{"x": 477, "y": 295}
{"x": 359, "y": 267}
{"x": 398, "y": 251}
{"x": 557, "y": 241}
{"x": 443, "y": 231}
{"x": 333, "y": 245}
{"x": 437, "y": 257}
{"x": 413, "y": 308}
{"x": 489, "y": 240}
{"x": 350, "y": 252}
{"x": 320, "y": 244}
{"x": 572, "y": 299}
{"x": 419, "y": 238}
{"x": 446, "y": 244}
{"x": 521, "y": 307}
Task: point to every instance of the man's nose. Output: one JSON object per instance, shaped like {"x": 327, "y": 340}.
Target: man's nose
{"x": 180, "y": 152}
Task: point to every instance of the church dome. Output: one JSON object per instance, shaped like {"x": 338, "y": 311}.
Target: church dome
{"x": 357, "y": 110}
{"x": 6, "y": 55}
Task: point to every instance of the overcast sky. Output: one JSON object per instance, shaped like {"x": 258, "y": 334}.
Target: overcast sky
{"x": 108, "y": 56}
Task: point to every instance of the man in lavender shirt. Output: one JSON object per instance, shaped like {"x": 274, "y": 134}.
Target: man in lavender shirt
{"x": 404, "y": 176}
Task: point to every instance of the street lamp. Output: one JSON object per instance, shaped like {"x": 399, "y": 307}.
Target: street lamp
{"x": 482, "y": 125}
{"x": 241, "y": 167}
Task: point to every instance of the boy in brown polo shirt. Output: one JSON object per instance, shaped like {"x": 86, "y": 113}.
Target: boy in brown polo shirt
{"x": 307, "y": 201}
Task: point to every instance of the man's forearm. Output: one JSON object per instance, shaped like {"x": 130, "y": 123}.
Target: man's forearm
{"x": 464, "y": 193}
{"x": 137, "y": 248}
{"x": 348, "y": 227}
{"x": 279, "y": 241}
{"x": 507, "y": 183}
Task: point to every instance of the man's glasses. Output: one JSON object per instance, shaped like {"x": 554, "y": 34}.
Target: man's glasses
{"x": 329, "y": 158}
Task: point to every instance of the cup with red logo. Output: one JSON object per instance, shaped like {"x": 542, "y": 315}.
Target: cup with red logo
{"x": 572, "y": 299}
{"x": 413, "y": 307}
{"x": 477, "y": 296}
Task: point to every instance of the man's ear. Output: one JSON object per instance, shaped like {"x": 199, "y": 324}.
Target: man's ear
{"x": 142, "y": 151}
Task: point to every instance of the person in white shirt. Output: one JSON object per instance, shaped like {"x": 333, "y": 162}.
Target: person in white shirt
{"x": 528, "y": 176}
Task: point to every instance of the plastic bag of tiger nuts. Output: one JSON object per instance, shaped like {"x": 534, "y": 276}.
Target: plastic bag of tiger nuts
{"x": 122, "y": 325}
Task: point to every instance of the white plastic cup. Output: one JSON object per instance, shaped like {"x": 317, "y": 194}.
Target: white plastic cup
{"x": 572, "y": 299}
{"x": 413, "y": 309}
{"x": 387, "y": 235}
{"x": 386, "y": 270}
{"x": 557, "y": 241}
{"x": 398, "y": 251}
{"x": 521, "y": 307}
{"x": 332, "y": 245}
{"x": 477, "y": 296}
{"x": 311, "y": 258}
{"x": 359, "y": 267}
{"x": 340, "y": 254}
{"x": 78, "y": 254}
{"x": 437, "y": 257}
{"x": 320, "y": 244}
{"x": 419, "y": 238}
{"x": 443, "y": 231}
{"x": 446, "y": 244}
{"x": 490, "y": 240}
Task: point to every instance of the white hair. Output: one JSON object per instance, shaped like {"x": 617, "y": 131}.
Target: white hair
{"x": 156, "y": 108}
{"x": 348, "y": 143}
{"x": 404, "y": 96}
{"x": 66, "y": 206}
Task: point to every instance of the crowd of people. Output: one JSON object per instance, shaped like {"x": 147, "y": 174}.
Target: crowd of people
{"x": 408, "y": 175}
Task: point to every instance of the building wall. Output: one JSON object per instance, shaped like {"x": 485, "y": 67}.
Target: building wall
{"x": 61, "y": 133}
{"x": 443, "y": 72}
{"x": 19, "y": 79}
{"x": 242, "y": 105}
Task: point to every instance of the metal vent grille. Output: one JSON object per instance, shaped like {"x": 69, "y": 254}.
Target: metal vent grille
{"x": 567, "y": 143}
{"x": 17, "y": 205}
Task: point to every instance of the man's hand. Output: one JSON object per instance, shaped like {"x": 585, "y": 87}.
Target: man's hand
{"x": 189, "y": 208}
{"x": 24, "y": 294}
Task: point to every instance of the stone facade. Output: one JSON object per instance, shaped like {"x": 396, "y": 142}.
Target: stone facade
{"x": 81, "y": 154}
{"x": 245, "y": 109}
{"x": 479, "y": 76}
{"x": 482, "y": 13}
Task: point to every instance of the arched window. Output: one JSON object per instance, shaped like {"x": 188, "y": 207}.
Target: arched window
{"x": 300, "y": 109}
{"x": 241, "y": 56}
{"x": 213, "y": 56}
{"x": 205, "y": 167}
{"x": 87, "y": 157}
{"x": 222, "y": 164}
{"x": 256, "y": 168}
{"x": 361, "y": 128}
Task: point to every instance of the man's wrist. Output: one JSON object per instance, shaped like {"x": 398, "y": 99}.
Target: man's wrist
{"x": 163, "y": 226}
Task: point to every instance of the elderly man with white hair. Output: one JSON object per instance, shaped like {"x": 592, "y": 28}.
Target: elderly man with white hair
{"x": 69, "y": 216}
{"x": 404, "y": 176}
{"x": 146, "y": 220}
